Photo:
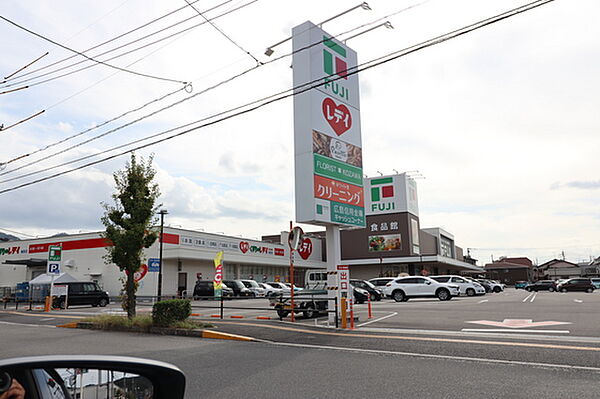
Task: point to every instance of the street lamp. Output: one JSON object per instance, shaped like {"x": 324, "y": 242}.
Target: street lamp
{"x": 162, "y": 214}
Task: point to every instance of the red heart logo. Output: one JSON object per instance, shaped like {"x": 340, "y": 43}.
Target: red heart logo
{"x": 141, "y": 272}
{"x": 338, "y": 116}
{"x": 244, "y": 246}
{"x": 305, "y": 248}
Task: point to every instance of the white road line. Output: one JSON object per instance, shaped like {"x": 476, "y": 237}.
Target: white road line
{"x": 379, "y": 319}
{"x": 445, "y": 357}
{"x": 483, "y": 300}
{"x": 577, "y": 300}
{"x": 49, "y": 318}
{"x": 528, "y": 296}
{"x": 514, "y": 330}
{"x": 534, "y": 295}
{"x": 25, "y": 324}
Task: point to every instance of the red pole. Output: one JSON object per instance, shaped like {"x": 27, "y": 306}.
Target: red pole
{"x": 292, "y": 277}
{"x": 351, "y": 315}
{"x": 369, "y": 306}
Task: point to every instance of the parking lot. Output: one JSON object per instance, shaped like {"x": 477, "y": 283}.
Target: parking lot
{"x": 509, "y": 312}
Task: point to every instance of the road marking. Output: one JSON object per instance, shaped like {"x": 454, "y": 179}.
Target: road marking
{"x": 445, "y": 357}
{"x": 44, "y": 315}
{"x": 424, "y": 339}
{"x": 48, "y": 319}
{"x": 577, "y": 300}
{"x": 514, "y": 331}
{"x": 25, "y": 324}
{"x": 525, "y": 300}
{"x": 379, "y": 319}
{"x": 518, "y": 323}
{"x": 483, "y": 300}
{"x": 534, "y": 295}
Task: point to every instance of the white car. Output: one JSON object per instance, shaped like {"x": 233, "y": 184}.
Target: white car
{"x": 257, "y": 290}
{"x": 404, "y": 288}
{"x": 270, "y": 290}
{"x": 466, "y": 287}
{"x": 276, "y": 284}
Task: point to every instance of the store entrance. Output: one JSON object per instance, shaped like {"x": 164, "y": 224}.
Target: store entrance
{"x": 182, "y": 283}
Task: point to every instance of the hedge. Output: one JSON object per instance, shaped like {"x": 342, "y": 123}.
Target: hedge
{"x": 165, "y": 313}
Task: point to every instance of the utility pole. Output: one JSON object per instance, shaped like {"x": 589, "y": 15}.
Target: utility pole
{"x": 162, "y": 214}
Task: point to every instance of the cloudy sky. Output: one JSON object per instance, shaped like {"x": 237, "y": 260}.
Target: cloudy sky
{"x": 502, "y": 122}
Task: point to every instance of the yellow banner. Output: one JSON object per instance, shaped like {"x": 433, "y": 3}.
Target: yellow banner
{"x": 217, "y": 281}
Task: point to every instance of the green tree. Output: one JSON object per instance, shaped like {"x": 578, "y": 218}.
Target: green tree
{"x": 129, "y": 223}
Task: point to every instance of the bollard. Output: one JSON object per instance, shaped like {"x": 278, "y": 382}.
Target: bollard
{"x": 47, "y": 304}
{"x": 343, "y": 312}
{"x": 221, "y": 307}
{"x": 351, "y": 315}
{"x": 337, "y": 319}
{"x": 369, "y": 307}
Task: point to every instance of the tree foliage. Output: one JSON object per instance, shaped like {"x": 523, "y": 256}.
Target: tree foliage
{"x": 129, "y": 222}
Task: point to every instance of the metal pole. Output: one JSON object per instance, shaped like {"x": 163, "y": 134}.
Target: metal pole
{"x": 221, "y": 307}
{"x": 337, "y": 319}
{"x": 162, "y": 213}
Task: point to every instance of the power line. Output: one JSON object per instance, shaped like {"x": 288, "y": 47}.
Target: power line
{"x": 222, "y": 33}
{"x": 107, "y": 41}
{"x": 56, "y": 70}
{"x": 308, "y": 86}
{"x": 89, "y": 58}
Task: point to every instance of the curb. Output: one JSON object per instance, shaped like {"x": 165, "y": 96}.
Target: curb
{"x": 221, "y": 335}
{"x": 68, "y": 325}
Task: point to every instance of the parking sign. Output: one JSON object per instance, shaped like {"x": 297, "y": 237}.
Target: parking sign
{"x": 54, "y": 259}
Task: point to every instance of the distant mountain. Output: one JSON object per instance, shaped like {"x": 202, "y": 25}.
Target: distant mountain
{"x": 60, "y": 235}
{"x": 7, "y": 237}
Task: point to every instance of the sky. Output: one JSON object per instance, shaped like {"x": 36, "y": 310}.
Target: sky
{"x": 502, "y": 123}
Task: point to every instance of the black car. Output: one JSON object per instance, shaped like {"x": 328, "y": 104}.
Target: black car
{"x": 375, "y": 293}
{"x": 486, "y": 285}
{"x": 82, "y": 293}
{"x": 239, "y": 289}
{"x": 205, "y": 289}
{"x": 542, "y": 285}
{"x": 360, "y": 295}
{"x": 577, "y": 284}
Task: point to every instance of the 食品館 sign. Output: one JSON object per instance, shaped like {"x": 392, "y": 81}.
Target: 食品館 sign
{"x": 327, "y": 137}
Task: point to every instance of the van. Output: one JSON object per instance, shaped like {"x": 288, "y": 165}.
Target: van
{"x": 315, "y": 279}
{"x": 82, "y": 293}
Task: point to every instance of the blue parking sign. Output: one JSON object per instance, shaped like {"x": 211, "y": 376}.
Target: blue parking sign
{"x": 53, "y": 268}
{"x": 153, "y": 265}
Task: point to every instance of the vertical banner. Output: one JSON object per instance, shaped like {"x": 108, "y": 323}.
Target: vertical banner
{"x": 327, "y": 136}
{"x": 218, "y": 280}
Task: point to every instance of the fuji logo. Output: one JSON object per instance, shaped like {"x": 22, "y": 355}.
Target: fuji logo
{"x": 244, "y": 246}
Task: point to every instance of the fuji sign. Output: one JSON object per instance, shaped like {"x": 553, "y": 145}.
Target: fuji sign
{"x": 518, "y": 323}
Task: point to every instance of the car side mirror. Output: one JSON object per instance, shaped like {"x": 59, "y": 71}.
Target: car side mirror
{"x": 428, "y": 282}
{"x": 107, "y": 376}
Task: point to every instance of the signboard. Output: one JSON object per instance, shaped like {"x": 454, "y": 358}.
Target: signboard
{"x": 218, "y": 280}
{"x": 391, "y": 194}
{"x": 59, "y": 290}
{"x": 153, "y": 265}
{"x": 343, "y": 274}
{"x": 54, "y": 260}
{"x": 327, "y": 135}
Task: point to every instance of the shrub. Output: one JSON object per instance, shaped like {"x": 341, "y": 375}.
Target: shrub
{"x": 165, "y": 313}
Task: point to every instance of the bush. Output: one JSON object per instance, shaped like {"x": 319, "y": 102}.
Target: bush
{"x": 166, "y": 313}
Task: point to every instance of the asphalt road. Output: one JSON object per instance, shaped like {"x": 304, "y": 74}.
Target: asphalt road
{"x": 218, "y": 369}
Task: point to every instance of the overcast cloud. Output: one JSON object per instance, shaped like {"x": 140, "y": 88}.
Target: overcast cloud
{"x": 502, "y": 122}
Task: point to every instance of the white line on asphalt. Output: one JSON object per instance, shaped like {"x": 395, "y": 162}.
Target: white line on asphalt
{"x": 25, "y": 324}
{"x": 578, "y": 300}
{"x": 49, "y": 318}
{"x": 534, "y": 295}
{"x": 445, "y": 357}
{"x": 379, "y": 319}
{"x": 514, "y": 330}
{"x": 483, "y": 300}
{"x": 525, "y": 300}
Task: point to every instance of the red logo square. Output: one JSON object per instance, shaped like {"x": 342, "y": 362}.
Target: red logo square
{"x": 387, "y": 191}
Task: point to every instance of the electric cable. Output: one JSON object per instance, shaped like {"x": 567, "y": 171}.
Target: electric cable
{"x": 257, "y": 104}
{"x": 12, "y": 84}
{"x": 120, "y": 127}
{"x": 89, "y": 58}
{"x": 223, "y": 33}
{"x": 105, "y": 42}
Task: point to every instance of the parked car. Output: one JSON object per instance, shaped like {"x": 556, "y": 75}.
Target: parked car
{"x": 271, "y": 290}
{"x": 521, "y": 284}
{"x": 239, "y": 289}
{"x": 577, "y": 284}
{"x": 205, "y": 289}
{"x": 542, "y": 285}
{"x": 494, "y": 286}
{"x": 380, "y": 282}
{"x": 276, "y": 284}
{"x": 82, "y": 293}
{"x": 257, "y": 290}
{"x": 466, "y": 287}
{"x": 360, "y": 295}
{"x": 484, "y": 283}
{"x": 596, "y": 282}
{"x": 375, "y": 293}
{"x": 296, "y": 288}
{"x": 404, "y": 288}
